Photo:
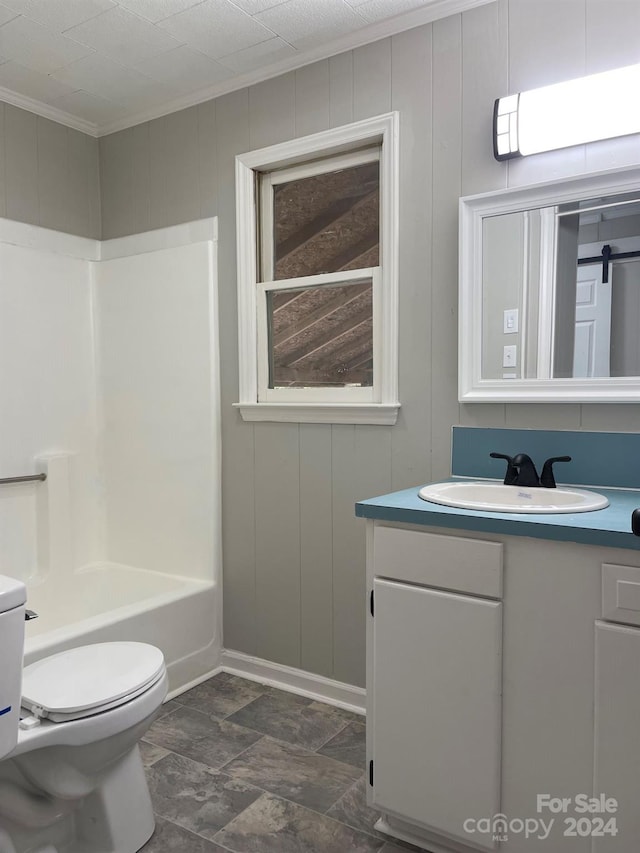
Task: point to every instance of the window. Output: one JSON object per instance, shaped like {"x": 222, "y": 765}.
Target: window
{"x": 317, "y": 277}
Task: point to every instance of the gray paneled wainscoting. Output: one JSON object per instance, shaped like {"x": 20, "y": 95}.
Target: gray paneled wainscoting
{"x": 49, "y": 174}
{"x": 293, "y": 551}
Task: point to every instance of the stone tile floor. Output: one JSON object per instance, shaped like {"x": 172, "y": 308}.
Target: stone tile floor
{"x": 237, "y": 766}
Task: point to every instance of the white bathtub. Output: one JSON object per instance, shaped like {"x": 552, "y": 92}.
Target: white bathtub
{"x": 107, "y": 601}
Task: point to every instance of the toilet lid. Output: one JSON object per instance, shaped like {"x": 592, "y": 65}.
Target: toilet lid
{"x": 89, "y": 679}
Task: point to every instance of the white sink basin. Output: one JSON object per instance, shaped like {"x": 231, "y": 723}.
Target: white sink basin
{"x": 496, "y": 497}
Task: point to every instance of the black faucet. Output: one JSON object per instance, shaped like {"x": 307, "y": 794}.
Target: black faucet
{"x": 522, "y": 472}
{"x": 527, "y": 474}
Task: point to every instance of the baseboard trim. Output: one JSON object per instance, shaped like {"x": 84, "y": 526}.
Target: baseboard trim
{"x": 422, "y": 838}
{"x": 295, "y": 681}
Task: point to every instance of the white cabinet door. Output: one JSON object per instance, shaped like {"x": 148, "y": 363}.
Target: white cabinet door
{"x": 617, "y": 732}
{"x": 436, "y": 707}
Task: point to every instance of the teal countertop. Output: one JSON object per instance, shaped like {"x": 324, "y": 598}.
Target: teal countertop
{"x": 609, "y": 527}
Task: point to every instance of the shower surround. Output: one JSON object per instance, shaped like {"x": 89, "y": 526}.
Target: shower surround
{"x": 109, "y": 386}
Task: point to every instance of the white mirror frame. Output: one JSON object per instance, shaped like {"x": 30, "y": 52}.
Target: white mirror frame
{"x": 473, "y": 209}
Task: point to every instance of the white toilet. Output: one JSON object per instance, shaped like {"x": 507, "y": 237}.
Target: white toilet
{"x": 71, "y": 778}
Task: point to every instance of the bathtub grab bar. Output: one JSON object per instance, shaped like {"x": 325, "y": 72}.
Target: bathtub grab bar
{"x": 26, "y": 479}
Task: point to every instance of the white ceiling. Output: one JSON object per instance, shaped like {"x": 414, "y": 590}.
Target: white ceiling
{"x": 101, "y": 65}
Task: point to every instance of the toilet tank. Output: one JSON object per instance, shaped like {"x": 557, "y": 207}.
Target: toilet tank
{"x": 13, "y": 596}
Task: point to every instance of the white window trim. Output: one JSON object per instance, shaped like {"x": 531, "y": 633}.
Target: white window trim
{"x": 381, "y": 405}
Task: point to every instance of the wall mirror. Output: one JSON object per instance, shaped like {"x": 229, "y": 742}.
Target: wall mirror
{"x": 549, "y": 299}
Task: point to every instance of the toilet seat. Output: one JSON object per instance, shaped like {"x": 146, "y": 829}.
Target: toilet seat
{"x": 89, "y": 680}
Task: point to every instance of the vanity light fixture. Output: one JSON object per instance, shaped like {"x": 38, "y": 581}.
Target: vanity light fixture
{"x": 600, "y": 106}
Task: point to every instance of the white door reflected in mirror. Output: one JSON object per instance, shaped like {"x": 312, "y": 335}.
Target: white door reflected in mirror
{"x": 592, "y": 341}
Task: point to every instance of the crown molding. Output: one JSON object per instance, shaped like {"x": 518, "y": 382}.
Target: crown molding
{"x": 350, "y": 41}
{"x": 367, "y": 35}
{"x": 31, "y": 105}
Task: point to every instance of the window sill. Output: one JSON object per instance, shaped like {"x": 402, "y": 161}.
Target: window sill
{"x": 321, "y": 413}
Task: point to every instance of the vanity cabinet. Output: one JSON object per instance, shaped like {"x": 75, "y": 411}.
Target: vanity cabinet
{"x": 496, "y": 676}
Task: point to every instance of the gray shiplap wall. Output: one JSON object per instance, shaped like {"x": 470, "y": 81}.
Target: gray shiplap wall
{"x": 49, "y": 174}
{"x": 293, "y": 552}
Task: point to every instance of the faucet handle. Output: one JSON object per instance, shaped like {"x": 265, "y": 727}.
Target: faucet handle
{"x": 546, "y": 478}
{"x": 512, "y": 472}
